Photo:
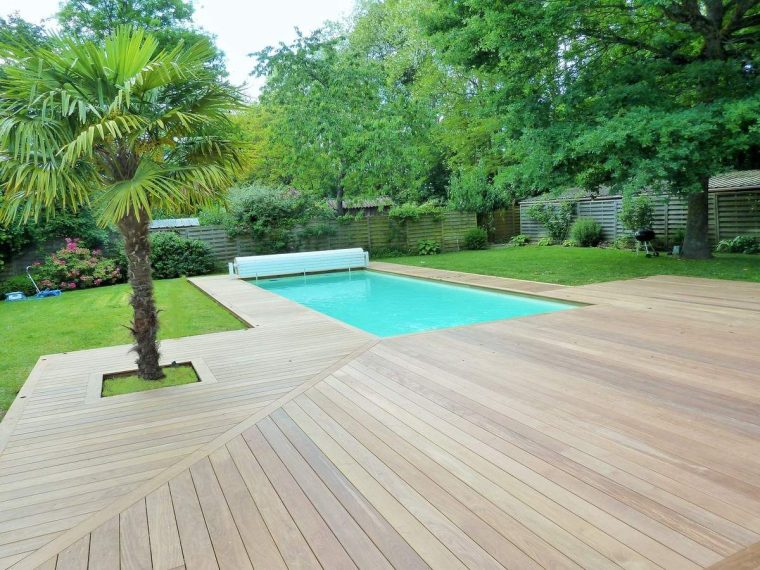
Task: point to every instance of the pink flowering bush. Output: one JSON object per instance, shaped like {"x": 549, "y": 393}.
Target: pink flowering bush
{"x": 77, "y": 267}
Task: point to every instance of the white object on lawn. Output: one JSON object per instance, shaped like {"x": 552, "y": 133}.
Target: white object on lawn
{"x": 295, "y": 263}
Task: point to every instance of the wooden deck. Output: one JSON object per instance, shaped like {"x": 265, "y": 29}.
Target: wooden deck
{"x": 624, "y": 434}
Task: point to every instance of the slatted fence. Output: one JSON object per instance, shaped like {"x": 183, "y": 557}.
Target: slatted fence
{"x": 502, "y": 224}
{"x": 730, "y": 214}
{"x": 373, "y": 233}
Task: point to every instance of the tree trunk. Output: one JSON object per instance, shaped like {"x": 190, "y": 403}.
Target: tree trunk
{"x": 145, "y": 320}
{"x": 339, "y": 210}
{"x": 696, "y": 245}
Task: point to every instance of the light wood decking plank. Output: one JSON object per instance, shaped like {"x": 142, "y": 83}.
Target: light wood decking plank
{"x": 105, "y": 546}
{"x": 225, "y": 538}
{"x": 352, "y": 538}
{"x": 134, "y": 538}
{"x": 194, "y": 536}
{"x": 165, "y": 548}
{"x": 76, "y": 556}
{"x": 382, "y": 533}
{"x": 256, "y": 537}
{"x": 317, "y": 533}
{"x": 285, "y": 532}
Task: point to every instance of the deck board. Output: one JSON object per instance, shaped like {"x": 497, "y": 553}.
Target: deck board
{"x": 621, "y": 434}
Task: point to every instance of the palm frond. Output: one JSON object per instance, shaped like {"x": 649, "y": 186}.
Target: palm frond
{"x": 150, "y": 184}
{"x": 121, "y": 124}
{"x": 83, "y": 145}
{"x": 31, "y": 188}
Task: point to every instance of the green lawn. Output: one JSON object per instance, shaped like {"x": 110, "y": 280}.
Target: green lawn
{"x": 94, "y": 318}
{"x": 579, "y": 266}
{"x": 174, "y": 376}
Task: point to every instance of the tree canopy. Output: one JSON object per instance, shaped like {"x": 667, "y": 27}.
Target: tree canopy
{"x": 334, "y": 124}
{"x": 169, "y": 21}
{"x": 493, "y": 101}
{"x": 625, "y": 94}
{"x": 481, "y": 103}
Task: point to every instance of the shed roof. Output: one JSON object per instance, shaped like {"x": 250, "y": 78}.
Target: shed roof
{"x": 737, "y": 180}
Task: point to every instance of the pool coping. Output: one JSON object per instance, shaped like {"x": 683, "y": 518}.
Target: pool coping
{"x": 474, "y": 283}
{"x": 483, "y": 281}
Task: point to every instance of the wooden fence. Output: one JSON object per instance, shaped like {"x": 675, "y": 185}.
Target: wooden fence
{"x": 223, "y": 247}
{"x": 501, "y": 224}
{"x": 373, "y": 233}
{"x": 730, "y": 214}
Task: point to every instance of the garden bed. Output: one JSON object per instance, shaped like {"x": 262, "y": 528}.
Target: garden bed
{"x": 128, "y": 382}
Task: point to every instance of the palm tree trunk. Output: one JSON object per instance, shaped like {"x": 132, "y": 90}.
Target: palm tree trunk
{"x": 145, "y": 321}
{"x": 696, "y": 244}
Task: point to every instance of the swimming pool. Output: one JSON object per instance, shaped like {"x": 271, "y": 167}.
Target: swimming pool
{"x": 389, "y": 305}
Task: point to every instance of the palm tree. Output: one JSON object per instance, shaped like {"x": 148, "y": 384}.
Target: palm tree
{"x": 122, "y": 126}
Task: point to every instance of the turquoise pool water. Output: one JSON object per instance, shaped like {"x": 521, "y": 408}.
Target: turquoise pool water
{"x": 390, "y": 305}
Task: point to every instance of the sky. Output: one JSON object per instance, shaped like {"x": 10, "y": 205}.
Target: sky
{"x": 240, "y": 26}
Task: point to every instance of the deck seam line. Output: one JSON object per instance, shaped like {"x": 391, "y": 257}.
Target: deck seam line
{"x": 88, "y": 525}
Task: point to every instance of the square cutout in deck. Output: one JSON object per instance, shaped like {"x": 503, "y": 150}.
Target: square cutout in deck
{"x": 176, "y": 374}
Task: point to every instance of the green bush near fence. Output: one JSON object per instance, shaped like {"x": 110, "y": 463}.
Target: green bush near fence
{"x": 739, "y": 244}
{"x": 555, "y": 217}
{"x": 476, "y": 238}
{"x": 428, "y": 247}
{"x": 174, "y": 256}
{"x": 587, "y": 232}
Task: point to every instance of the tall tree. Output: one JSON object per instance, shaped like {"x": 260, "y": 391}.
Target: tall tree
{"x": 623, "y": 93}
{"x": 122, "y": 125}
{"x": 341, "y": 129}
{"x": 169, "y": 21}
{"x": 389, "y": 34}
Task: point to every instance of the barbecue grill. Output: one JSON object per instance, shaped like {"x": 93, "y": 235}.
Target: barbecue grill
{"x": 645, "y": 237}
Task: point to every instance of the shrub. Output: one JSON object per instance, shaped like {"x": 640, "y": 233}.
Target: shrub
{"x": 76, "y": 267}
{"x": 624, "y": 242}
{"x": 544, "y": 241}
{"x": 428, "y": 247}
{"x": 268, "y": 215}
{"x": 739, "y": 244}
{"x": 215, "y": 215}
{"x": 17, "y": 283}
{"x": 387, "y": 252}
{"x": 476, "y": 238}
{"x": 587, "y": 232}
{"x": 556, "y": 218}
{"x": 677, "y": 237}
{"x": 569, "y": 243}
{"x": 519, "y": 240}
{"x": 637, "y": 212}
{"x": 175, "y": 256}
{"x": 411, "y": 211}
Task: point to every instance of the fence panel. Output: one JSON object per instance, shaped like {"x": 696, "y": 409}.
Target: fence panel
{"x": 528, "y": 226}
{"x": 504, "y": 224}
{"x": 603, "y": 211}
{"x": 730, "y": 214}
{"x": 738, "y": 213}
{"x": 373, "y": 233}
